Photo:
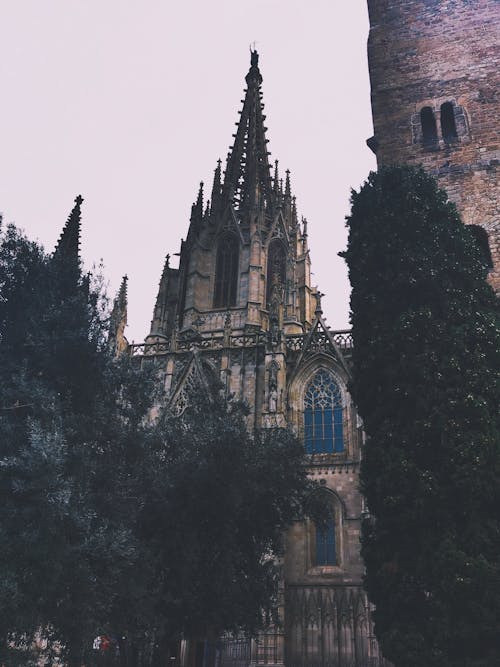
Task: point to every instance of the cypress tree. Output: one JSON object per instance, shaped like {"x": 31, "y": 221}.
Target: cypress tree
{"x": 426, "y": 359}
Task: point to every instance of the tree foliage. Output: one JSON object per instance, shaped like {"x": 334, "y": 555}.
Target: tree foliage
{"x": 221, "y": 499}
{"x": 112, "y": 520}
{"x": 71, "y": 420}
{"x": 426, "y": 357}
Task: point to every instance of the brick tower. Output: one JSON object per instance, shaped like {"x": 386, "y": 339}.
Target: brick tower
{"x": 435, "y": 78}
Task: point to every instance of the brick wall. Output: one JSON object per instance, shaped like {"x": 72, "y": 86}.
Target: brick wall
{"x": 425, "y": 53}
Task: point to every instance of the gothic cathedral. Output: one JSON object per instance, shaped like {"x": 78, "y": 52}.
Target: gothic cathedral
{"x": 240, "y": 310}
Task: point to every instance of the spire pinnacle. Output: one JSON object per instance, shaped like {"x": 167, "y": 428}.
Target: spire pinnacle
{"x": 118, "y": 320}
{"x": 159, "y": 321}
{"x": 197, "y": 212}
{"x": 216, "y": 187}
{"x": 319, "y": 309}
{"x": 247, "y": 181}
{"x": 294, "y": 212}
{"x": 276, "y": 181}
{"x": 288, "y": 191}
{"x": 304, "y": 236}
{"x": 199, "y": 201}
{"x": 68, "y": 244}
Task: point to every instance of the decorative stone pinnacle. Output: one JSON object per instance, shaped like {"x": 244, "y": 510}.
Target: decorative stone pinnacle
{"x": 319, "y": 309}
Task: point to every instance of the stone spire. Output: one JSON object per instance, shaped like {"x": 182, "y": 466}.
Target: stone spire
{"x": 118, "y": 320}
{"x": 196, "y": 215}
{"x": 216, "y": 187}
{"x": 276, "y": 181}
{"x": 68, "y": 246}
{"x": 247, "y": 180}
{"x": 160, "y": 314}
{"x": 288, "y": 190}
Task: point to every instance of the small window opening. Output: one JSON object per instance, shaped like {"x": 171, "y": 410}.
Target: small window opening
{"x": 481, "y": 239}
{"x": 226, "y": 271}
{"x": 326, "y": 550}
{"x": 429, "y": 130}
{"x": 448, "y": 125}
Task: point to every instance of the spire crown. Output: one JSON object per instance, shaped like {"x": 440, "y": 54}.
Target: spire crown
{"x": 254, "y": 74}
{"x": 248, "y": 183}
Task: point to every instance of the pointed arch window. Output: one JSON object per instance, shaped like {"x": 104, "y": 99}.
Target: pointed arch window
{"x": 429, "y": 130}
{"x": 323, "y": 415}
{"x": 325, "y": 551}
{"x": 276, "y": 265}
{"x": 226, "y": 271}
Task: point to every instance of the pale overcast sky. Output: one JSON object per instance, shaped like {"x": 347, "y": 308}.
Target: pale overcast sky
{"x": 131, "y": 102}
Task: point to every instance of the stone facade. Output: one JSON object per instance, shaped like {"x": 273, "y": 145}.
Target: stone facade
{"x": 435, "y": 78}
{"x": 240, "y": 310}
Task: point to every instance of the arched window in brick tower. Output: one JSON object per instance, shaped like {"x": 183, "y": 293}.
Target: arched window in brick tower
{"x": 448, "y": 125}
{"x": 429, "y": 130}
{"x": 226, "y": 271}
{"x": 481, "y": 238}
{"x": 323, "y": 415}
{"x": 276, "y": 264}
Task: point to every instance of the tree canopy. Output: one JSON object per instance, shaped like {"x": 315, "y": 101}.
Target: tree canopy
{"x": 426, "y": 358}
{"x": 113, "y": 519}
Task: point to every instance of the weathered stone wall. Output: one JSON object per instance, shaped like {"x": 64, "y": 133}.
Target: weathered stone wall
{"x": 423, "y": 53}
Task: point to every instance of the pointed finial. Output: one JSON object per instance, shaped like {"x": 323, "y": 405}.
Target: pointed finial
{"x": 118, "y": 320}
{"x": 199, "y": 201}
{"x": 122, "y": 293}
{"x": 216, "y": 186}
{"x": 69, "y": 241}
{"x": 288, "y": 192}
{"x": 253, "y": 75}
{"x": 254, "y": 56}
{"x": 294, "y": 210}
{"x": 319, "y": 309}
{"x": 304, "y": 235}
{"x": 276, "y": 177}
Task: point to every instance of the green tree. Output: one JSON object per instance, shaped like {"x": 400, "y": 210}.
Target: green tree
{"x": 110, "y": 520}
{"x": 426, "y": 361}
{"x": 220, "y": 500}
{"x": 72, "y": 423}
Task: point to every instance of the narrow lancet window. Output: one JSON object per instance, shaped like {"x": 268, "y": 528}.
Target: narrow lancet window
{"x": 276, "y": 267}
{"x": 429, "y": 130}
{"x": 448, "y": 125}
{"x": 323, "y": 415}
{"x": 226, "y": 271}
{"x": 326, "y": 551}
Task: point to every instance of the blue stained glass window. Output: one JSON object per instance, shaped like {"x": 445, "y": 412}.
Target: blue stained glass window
{"x": 323, "y": 415}
{"x": 326, "y": 553}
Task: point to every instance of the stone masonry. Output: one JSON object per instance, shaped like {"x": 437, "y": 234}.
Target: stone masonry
{"x": 424, "y": 54}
